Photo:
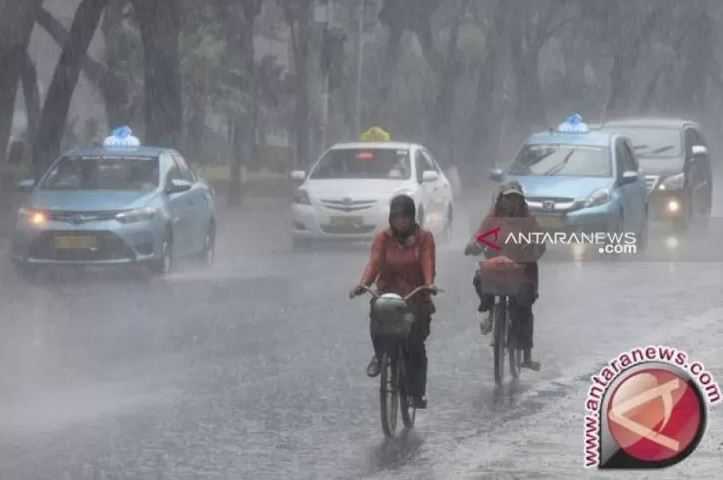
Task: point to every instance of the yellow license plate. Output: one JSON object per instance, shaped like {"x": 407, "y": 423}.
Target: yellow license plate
{"x": 75, "y": 242}
{"x": 346, "y": 221}
{"x": 549, "y": 221}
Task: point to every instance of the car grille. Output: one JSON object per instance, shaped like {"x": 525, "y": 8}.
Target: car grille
{"x": 109, "y": 247}
{"x": 651, "y": 182}
{"x": 348, "y": 205}
{"x": 559, "y": 203}
{"x": 78, "y": 217}
{"x": 347, "y": 229}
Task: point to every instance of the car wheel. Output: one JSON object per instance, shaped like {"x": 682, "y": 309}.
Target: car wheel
{"x": 164, "y": 265}
{"x": 208, "y": 254}
{"x": 616, "y": 230}
{"x": 642, "y": 240}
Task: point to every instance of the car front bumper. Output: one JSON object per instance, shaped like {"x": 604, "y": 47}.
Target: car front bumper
{"x": 105, "y": 243}
{"x": 311, "y": 222}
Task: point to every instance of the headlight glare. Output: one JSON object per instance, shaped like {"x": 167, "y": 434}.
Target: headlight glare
{"x": 598, "y": 197}
{"x": 32, "y": 216}
{"x": 137, "y": 215}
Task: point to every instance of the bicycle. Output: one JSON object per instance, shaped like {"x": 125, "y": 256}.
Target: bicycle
{"x": 502, "y": 280}
{"x": 392, "y": 321}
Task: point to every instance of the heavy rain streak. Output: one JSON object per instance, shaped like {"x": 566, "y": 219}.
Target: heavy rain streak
{"x": 270, "y": 239}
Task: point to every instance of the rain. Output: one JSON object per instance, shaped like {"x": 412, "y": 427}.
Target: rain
{"x": 189, "y": 191}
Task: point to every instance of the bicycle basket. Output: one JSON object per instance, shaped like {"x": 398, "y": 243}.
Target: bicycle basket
{"x": 501, "y": 282}
{"x": 391, "y": 317}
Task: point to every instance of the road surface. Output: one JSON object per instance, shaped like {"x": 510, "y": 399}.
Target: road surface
{"x": 255, "y": 369}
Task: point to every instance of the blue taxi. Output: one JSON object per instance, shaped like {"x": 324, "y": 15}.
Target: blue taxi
{"x": 119, "y": 203}
{"x": 578, "y": 179}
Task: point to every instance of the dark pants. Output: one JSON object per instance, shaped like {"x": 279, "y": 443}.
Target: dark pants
{"x": 416, "y": 353}
{"x": 521, "y": 316}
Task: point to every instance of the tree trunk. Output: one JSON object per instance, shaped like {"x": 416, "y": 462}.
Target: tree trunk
{"x": 31, "y": 94}
{"x": 391, "y": 60}
{"x": 65, "y": 78}
{"x": 441, "y": 124}
{"x": 160, "y": 26}
{"x": 246, "y": 150}
{"x": 16, "y": 24}
{"x": 300, "y": 37}
{"x": 115, "y": 88}
{"x": 486, "y": 122}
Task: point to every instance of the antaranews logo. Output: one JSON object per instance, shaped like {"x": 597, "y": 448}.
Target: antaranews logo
{"x": 647, "y": 408}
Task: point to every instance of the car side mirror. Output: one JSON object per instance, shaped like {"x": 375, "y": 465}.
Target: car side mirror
{"x": 496, "y": 174}
{"x": 699, "y": 150}
{"x": 298, "y": 175}
{"x": 178, "y": 186}
{"x": 25, "y": 186}
{"x": 630, "y": 176}
{"x": 430, "y": 176}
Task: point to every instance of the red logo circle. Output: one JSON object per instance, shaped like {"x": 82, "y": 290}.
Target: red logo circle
{"x": 656, "y": 415}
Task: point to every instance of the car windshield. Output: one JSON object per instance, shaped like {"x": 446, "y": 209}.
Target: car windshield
{"x": 562, "y": 160}
{"x": 107, "y": 173}
{"x": 654, "y": 142}
{"x": 377, "y": 163}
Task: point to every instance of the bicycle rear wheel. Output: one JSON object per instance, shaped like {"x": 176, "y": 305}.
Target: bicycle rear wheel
{"x": 500, "y": 333}
{"x": 409, "y": 411}
{"x": 389, "y": 393}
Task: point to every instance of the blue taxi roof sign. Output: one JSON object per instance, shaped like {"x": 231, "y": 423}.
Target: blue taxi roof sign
{"x": 573, "y": 124}
{"x": 122, "y": 137}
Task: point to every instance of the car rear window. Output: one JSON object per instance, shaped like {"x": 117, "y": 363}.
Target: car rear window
{"x": 654, "y": 142}
{"x": 562, "y": 160}
{"x": 136, "y": 174}
{"x": 376, "y": 163}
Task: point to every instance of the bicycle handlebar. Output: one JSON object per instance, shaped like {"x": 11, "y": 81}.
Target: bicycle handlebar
{"x": 421, "y": 288}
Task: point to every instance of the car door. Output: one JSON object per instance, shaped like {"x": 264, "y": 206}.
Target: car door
{"x": 638, "y": 190}
{"x": 426, "y": 189}
{"x": 198, "y": 205}
{"x": 180, "y": 206}
{"x": 441, "y": 189}
{"x": 626, "y": 191}
{"x": 697, "y": 170}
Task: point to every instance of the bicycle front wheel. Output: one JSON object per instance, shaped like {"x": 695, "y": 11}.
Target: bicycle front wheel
{"x": 389, "y": 393}
{"x": 409, "y": 411}
{"x": 500, "y": 335}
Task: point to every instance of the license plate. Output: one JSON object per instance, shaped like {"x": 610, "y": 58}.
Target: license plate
{"x": 349, "y": 221}
{"x": 549, "y": 221}
{"x": 75, "y": 242}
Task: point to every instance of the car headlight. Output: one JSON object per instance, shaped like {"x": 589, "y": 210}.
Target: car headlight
{"x": 674, "y": 182}
{"x": 32, "y": 216}
{"x": 301, "y": 197}
{"x": 137, "y": 215}
{"x": 598, "y": 197}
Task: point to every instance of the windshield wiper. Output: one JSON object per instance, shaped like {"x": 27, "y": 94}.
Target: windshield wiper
{"x": 639, "y": 147}
{"x": 559, "y": 166}
{"x": 662, "y": 149}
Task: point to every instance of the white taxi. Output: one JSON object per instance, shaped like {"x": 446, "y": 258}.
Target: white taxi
{"x": 346, "y": 193}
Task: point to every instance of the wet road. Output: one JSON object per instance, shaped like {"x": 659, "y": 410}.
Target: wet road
{"x": 255, "y": 369}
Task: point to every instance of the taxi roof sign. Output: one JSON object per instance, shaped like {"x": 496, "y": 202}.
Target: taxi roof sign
{"x": 376, "y": 134}
{"x": 122, "y": 137}
{"x": 573, "y": 124}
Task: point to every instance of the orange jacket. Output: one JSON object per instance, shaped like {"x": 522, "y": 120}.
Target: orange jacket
{"x": 398, "y": 268}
